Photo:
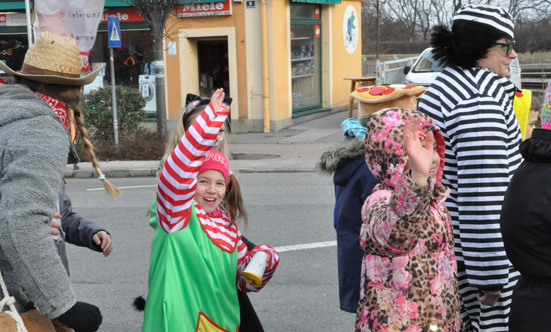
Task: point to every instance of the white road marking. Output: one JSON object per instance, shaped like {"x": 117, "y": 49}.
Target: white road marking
{"x": 295, "y": 247}
{"x": 306, "y": 246}
{"x": 127, "y": 187}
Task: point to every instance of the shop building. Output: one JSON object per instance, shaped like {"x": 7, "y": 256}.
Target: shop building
{"x": 132, "y": 60}
{"x": 135, "y": 37}
{"x": 311, "y": 46}
{"x": 278, "y": 59}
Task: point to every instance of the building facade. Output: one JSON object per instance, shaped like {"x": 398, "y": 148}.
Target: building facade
{"x": 277, "y": 59}
{"x": 309, "y": 47}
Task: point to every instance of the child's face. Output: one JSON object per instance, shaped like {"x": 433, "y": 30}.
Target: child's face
{"x": 532, "y": 119}
{"x": 435, "y": 164}
{"x": 435, "y": 161}
{"x": 211, "y": 188}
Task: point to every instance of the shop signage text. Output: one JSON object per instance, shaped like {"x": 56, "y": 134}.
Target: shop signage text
{"x": 123, "y": 15}
{"x": 205, "y": 9}
{"x": 77, "y": 14}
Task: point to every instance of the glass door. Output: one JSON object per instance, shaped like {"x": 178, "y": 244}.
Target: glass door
{"x": 305, "y": 58}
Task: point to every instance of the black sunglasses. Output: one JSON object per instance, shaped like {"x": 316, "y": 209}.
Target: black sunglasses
{"x": 510, "y": 46}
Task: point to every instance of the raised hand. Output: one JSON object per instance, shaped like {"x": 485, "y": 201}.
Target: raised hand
{"x": 420, "y": 157}
{"x": 217, "y": 100}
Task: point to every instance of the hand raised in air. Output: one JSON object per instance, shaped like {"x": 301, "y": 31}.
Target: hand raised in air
{"x": 420, "y": 157}
{"x": 217, "y": 100}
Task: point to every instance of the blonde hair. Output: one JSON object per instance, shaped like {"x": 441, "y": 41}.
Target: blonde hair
{"x": 73, "y": 99}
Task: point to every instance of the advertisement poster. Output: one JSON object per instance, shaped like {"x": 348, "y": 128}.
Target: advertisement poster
{"x": 74, "y": 18}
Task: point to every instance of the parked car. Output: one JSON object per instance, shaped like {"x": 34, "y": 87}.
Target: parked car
{"x": 426, "y": 68}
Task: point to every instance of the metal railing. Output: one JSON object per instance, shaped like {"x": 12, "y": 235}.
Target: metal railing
{"x": 387, "y": 72}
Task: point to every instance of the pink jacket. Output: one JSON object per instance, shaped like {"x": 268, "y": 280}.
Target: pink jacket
{"x": 409, "y": 271}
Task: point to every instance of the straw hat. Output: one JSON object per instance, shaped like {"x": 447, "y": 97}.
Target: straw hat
{"x": 52, "y": 59}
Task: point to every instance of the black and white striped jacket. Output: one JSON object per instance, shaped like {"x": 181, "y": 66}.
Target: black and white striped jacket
{"x": 474, "y": 109}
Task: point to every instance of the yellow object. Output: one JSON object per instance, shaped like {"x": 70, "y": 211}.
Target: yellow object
{"x": 255, "y": 269}
{"x": 207, "y": 325}
{"x": 251, "y": 278}
{"x": 521, "y": 106}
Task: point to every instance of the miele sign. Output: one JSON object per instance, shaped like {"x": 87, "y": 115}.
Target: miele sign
{"x": 130, "y": 15}
{"x": 205, "y": 9}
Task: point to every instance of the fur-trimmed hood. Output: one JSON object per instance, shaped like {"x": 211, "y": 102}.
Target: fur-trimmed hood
{"x": 343, "y": 162}
{"x": 333, "y": 160}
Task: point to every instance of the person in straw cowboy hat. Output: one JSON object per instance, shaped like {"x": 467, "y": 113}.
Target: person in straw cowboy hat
{"x": 36, "y": 114}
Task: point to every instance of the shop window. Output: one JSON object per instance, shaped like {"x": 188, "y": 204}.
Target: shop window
{"x": 305, "y": 11}
{"x": 12, "y": 52}
{"x": 305, "y": 58}
{"x": 132, "y": 60}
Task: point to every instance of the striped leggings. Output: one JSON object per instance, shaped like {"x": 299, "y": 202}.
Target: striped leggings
{"x": 481, "y": 318}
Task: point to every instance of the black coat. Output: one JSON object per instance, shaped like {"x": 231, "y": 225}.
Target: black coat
{"x": 526, "y": 230}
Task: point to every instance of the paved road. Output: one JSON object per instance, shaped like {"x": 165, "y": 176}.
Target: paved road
{"x": 290, "y": 211}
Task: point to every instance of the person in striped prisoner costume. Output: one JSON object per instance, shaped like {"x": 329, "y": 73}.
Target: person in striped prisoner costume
{"x": 197, "y": 254}
{"x": 471, "y": 101}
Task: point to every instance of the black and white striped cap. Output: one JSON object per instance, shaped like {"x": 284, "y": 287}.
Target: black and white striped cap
{"x": 495, "y": 17}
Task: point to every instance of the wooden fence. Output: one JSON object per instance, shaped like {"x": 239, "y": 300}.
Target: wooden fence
{"x": 535, "y": 77}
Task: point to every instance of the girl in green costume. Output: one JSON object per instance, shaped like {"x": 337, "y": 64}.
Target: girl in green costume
{"x": 197, "y": 254}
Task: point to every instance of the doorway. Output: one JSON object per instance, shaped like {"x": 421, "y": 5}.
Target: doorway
{"x": 213, "y": 66}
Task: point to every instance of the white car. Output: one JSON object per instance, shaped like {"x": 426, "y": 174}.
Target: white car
{"x": 426, "y": 68}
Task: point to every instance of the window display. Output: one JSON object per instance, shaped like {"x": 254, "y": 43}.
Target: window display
{"x": 305, "y": 57}
{"x": 132, "y": 60}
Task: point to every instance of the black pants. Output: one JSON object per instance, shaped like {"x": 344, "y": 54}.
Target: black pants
{"x": 249, "y": 319}
{"x": 530, "y": 306}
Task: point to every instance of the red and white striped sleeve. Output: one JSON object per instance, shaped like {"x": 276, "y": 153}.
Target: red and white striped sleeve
{"x": 244, "y": 256}
{"x": 178, "y": 180}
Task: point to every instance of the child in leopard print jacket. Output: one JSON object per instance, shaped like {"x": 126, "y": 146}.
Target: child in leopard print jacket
{"x": 409, "y": 270}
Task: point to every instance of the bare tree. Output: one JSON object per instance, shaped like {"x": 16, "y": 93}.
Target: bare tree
{"x": 418, "y": 17}
{"x": 425, "y": 18}
{"x": 407, "y": 12}
{"x": 443, "y": 10}
{"x": 524, "y": 9}
{"x": 156, "y": 13}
